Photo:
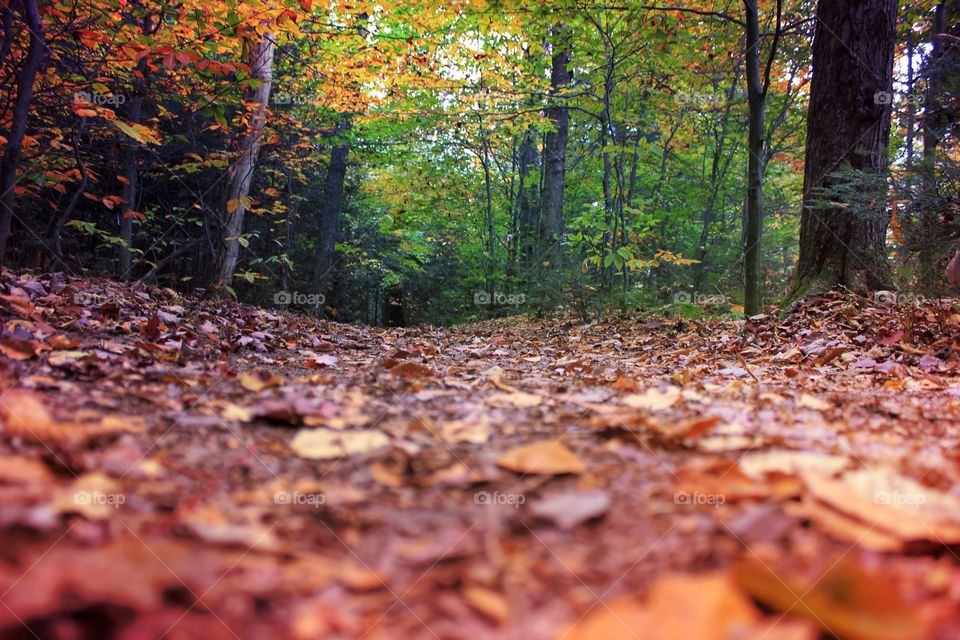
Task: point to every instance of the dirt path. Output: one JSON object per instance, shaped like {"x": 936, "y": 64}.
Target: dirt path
{"x": 178, "y": 469}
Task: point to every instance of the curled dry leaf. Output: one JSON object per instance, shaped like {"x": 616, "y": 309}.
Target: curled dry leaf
{"x": 547, "y": 458}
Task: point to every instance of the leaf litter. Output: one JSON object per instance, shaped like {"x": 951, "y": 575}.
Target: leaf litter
{"x": 184, "y": 468}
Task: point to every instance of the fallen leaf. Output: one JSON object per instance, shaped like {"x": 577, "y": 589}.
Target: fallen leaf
{"x": 490, "y": 603}
{"x": 760, "y": 464}
{"x": 685, "y": 607}
{"x": 259, "y": 380}
{"x": 568, "y": 510}
{"x": 547, "y": 458}
{"x": 846, "y": 600}
{"x": 891, "y": 503}
{"x": 813, "y": 402}
{"x": 323, "y": 444}
{"x": 653, "y": 399}
{"x": 411, "y": 370}
{"x": 517, "y": 399}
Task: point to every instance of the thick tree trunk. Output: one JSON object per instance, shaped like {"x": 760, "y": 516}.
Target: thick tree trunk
{"x": 753, "y": 224}
{"x": 555, "y": 150}
{"x": 330, "y": 216}
{"x": 25, "y": 78}
{"x": 848, "y": 126}
{"x": 240, "y": 173}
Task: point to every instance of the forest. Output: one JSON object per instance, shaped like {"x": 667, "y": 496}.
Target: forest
{"x": 566, "y": 319}
{"x": 458, "y": 161}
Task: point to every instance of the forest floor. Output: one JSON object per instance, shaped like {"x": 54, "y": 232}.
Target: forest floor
{"x": 171, "y": 468}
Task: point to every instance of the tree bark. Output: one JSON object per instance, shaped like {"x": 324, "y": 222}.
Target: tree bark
{"x": 130, "y": 170}
{"x": 129, "y": 190}
{"x": 240, "y": 173}
{"x": 25, "y": 78}
{"x": 848, "y": 127}
{"x": 333, "y": 189}
{"x": 527, "y": 199}
{"x": 753, "y": 223}
{"x": 555, "y": 150}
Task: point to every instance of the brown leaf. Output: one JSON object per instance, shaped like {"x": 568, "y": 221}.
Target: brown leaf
{"x": 547, "y": 458}
{"x": 890, "y": 503}
{"x": 25, "y": 416}
{"x": 259, "y": 380}
{"x": 21, "y": 470}
{"x": 846, "y": 600}
{"x": 685, "y": 607}
{"x": 19, "y": 305}
{"x": 18, "y": 349}
{"x": 489, "y": 603}
{"x": 411, "y": 370}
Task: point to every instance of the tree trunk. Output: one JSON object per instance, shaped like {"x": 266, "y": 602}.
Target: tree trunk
{"x": 18, "y": 128}
{"x": 130, "y": 171}
{"x": 527, "y": 200}
{"x": 555, "y": 150}
{"x": 848, "y": 126}
{"x": 717, "y": 175}
{"x": 129, "y": 190}
{"x": 240, "y": 173}
{"x": 934, "y": 117}
{"x": 753, "y": 223}
{"x": 330, "y": 216}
